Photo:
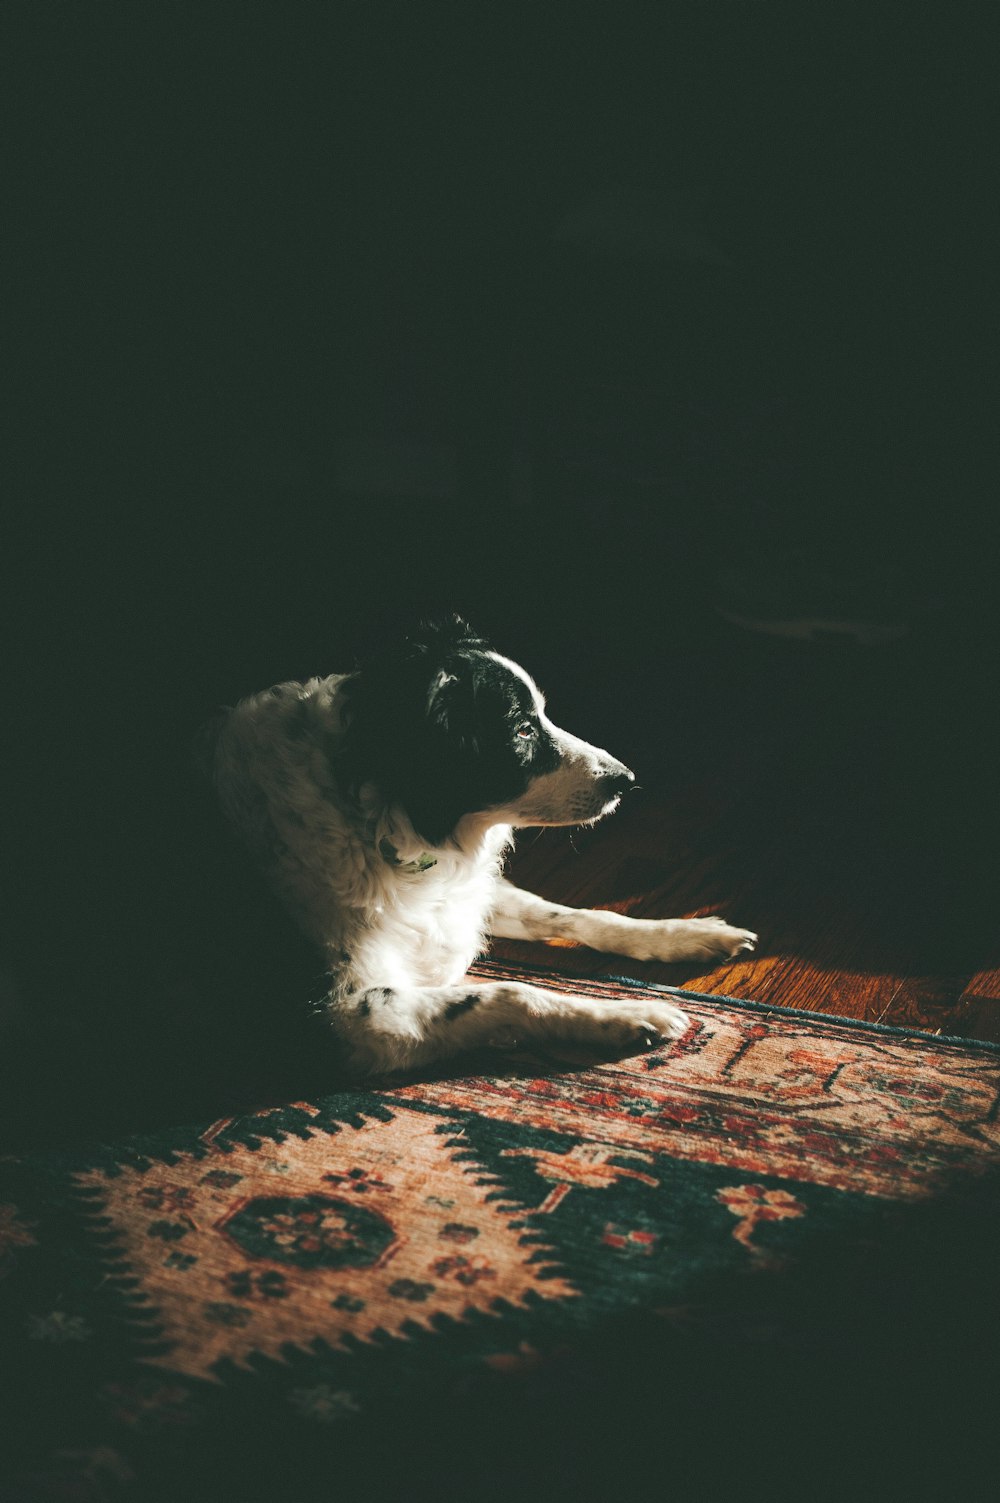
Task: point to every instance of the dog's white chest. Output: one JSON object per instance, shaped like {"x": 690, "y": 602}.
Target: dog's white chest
{"x": 431, "y": 928}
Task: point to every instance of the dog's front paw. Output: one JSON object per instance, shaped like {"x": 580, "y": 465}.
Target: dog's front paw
{"x": 714, "y": 939}
{"x": 633, "y": 1027}
{"x": 698, "y": 939}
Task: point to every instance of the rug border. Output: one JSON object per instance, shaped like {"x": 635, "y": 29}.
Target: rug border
{"x": 767, "y": 1008}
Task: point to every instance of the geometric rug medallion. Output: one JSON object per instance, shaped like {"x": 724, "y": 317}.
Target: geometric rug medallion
{"x": 281, "y": 1245}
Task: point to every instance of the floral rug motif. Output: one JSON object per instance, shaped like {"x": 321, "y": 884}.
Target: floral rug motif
{"x": 327, "y": 1280}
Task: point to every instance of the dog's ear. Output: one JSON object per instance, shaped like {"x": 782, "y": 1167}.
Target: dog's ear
{"x": 443, "y": 635}
{"x": 434, "y": 639}
{"x": 436, "y": 692}
{"x": 451, "y": 705}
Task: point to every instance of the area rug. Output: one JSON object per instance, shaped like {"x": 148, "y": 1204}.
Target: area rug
{"x": 490, "y": 1283}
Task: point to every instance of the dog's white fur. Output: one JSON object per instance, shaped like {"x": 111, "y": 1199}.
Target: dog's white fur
{"x": 398, "y": 932}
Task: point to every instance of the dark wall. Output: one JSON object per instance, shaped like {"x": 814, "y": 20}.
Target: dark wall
{"x": 252, "y": 236}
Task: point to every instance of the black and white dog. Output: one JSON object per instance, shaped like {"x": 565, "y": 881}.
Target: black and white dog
{"x": 381, "y": 805}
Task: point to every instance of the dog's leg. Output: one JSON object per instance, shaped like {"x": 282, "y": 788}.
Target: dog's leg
{"x": 517, "y": 914}
{"x": 396, "y": 1028}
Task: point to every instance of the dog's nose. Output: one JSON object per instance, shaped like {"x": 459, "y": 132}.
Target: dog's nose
{"x": 618, "y": 782}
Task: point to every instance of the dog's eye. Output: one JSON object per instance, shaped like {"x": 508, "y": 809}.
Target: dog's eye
{"x": 526, "y": 731}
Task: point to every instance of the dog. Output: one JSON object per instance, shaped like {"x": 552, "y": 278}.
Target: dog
{"x": 381, "y": 805}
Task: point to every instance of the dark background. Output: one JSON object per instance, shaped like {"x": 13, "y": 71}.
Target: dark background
{"x": 604, "y": 299}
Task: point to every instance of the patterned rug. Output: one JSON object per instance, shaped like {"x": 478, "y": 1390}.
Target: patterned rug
{"x": 546, "y": 1278}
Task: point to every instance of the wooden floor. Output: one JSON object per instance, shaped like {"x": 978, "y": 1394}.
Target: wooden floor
{"x": 837, "y": 801}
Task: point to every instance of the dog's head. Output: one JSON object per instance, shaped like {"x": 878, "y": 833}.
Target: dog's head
{"x": 446, "y": 727}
